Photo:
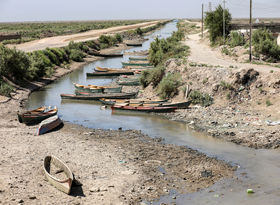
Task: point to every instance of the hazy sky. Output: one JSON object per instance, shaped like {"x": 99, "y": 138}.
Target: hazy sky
{"x": 57, "y": 10}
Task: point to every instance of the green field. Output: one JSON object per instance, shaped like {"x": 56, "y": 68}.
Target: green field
{"x": 36, "y": 30}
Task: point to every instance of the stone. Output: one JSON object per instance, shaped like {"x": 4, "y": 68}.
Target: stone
{"x": 94, "y": 189}
{"x": 32, "y": 197}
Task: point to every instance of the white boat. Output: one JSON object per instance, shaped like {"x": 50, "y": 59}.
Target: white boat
{"x": 48, "y": 124}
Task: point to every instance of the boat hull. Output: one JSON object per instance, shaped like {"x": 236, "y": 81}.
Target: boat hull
{"x": 48, "y": 125}
{"x": 62, "y": 185}
{"x": 97, "y": 96}
{"x": 116, "y": 73}
{"x": 136, "y": 64}
{"x": 144, "y": 109}
{"x": 32, "y": 118}
{"x": 129, "y": 83}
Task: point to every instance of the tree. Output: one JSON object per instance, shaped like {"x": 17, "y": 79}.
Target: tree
{"x": 214, "y": 22}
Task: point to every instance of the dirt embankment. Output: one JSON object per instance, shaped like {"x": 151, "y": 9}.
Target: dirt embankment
{"x": 245, "y": 101}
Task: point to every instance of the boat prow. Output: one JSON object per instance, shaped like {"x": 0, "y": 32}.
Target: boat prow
{"x": 51, "y": 163}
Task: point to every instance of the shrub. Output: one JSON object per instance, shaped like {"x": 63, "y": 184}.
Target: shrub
{"x": 145, "y": 78}
{"x": 168, "y": 87}
{"x": 76, "y": 55}
{"x": 118, "y": 37}
{"x": 214, "y": 22}
{"x": 265, "y": 44}
{"x": 39, "y": 64}
{"x": 53, "y": 58}
{"x": 14, "y": 64}
{"x": 203, "y": 99}
{"x": 236, "y": 39}
{"x": 5, "y": 88}
{"x": 226, "y": 86}
{"x": 156, "y": 75}
{"x": 139, "y": 31}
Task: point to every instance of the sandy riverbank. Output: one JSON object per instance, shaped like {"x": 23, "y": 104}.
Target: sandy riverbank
{"x": 115, "y": 167}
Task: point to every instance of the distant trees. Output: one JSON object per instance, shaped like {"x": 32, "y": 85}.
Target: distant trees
{"x": 214, "y": 23}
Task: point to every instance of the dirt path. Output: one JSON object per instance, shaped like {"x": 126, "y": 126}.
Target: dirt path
{"x": 203, "y": 53}
{"x": 60, "y": 41}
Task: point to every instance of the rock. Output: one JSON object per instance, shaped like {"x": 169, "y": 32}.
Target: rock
{"x": 20, "y": 201}
{"x": 206, "y": 173}
{"x": 32, "y": 197}
{"x": 94, "y": 189}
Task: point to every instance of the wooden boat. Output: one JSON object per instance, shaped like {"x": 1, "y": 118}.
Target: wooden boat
{"x": 130, "y": 101}
{"x": 108, "y": 54}
{"x": 36, "y": 111}
{"x": 89, "y": 88}
{"x": 129, "y": 82}
{"x": 36, "y": 116}
{"x": 143, "y": 108}
{"x": 100, "y": 69}
{"x": 111, "y": 73}
{"x": 138, "y": 58}
{"x": 48, "y": 124}
{"x": 144, "y": 64}
{"x": 97, "y": 96}
{"x": 133, "y": 44}
{"x": 112, "y": 89}
{"x": 179, "y": 105}
{"x": 52, "y": 163}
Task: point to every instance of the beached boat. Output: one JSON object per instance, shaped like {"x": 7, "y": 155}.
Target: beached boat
{"x": 36, "y": 116}
{"x": 143, "y": 108}
{"x": 111, "y": 73}
{"x": 48, "y": 124}
{"x": 97, "y": 96}
{"x": 130, "y": 101}
{"x": 138, "y": 58}
{"x": 89, "y": 88}
{"x": 53, "y": 165}
{"x": 36, "y": 111}
{"x": 144, "y": 64}
{"x": 108, "y": 54}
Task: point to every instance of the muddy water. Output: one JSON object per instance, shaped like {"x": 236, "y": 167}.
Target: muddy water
{"x": 258, "y": 169}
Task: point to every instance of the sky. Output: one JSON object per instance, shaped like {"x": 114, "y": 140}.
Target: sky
{"x": 63, "y": 10}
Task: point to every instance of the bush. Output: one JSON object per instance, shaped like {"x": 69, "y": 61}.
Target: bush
{"x": 76, "y": 55}
{"x": 39, "y": 64}
{"x": 236, "y": 39}
{"x": 203, "y": 99}
{"x": 139, "y": 31}
{"x": 162, "y": 49}
{"x": 107, "y": 41}
{"x": 53, "y": 58}
{"x": 169, "y": 85}
{"x": 265, "y": 44}
{"x": 145, "y": 78}
{"x": 156, "y": 75}
{"x": 5, "y": 88}
{"x": 118, "y": 37}
{"x": 14, "y": 64}
{"x": 214, "y": 22}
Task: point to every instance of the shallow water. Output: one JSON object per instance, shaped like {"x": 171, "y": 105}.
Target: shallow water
{"x": 262, "y": 167}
